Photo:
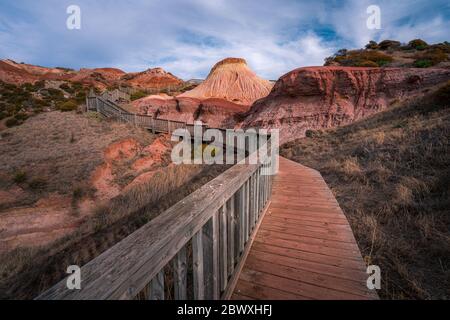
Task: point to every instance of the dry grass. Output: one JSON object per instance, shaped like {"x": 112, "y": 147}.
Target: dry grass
{"x": 60, "y": 149}
{"x": 26, "y": 272}
{"x": 390, "y": 174}
{"x": 55, "y": 152}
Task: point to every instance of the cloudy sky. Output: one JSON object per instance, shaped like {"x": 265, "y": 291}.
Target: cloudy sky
{"x": 186, "y": 37}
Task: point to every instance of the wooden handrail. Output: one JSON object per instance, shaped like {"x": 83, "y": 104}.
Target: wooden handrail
{"x": 218, "y": 220}
{"x": 111, "y": 109}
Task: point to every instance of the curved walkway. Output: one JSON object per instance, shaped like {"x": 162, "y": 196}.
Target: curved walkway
{"x": 304, "y": 247}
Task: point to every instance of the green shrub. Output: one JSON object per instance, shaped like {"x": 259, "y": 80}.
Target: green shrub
{"x": 361, "y": 58}
{"x": 137, "y": 95}
{"x": 389, "y": 44}
{"x": 367, "y": 63}
{"x": 39, "y": 84}
{"x": 418, "y": 44}
{"x": 66, "y": 88}
{"x": 55, "y": 92}
{"x": 77, "y": 193}
{"x": 68, "y": 106}
{"x": 77, "y": 86}
{"x": 423, "y": 63}
{"x": 313, "y": 133}
{"x": 372, "y": 45}
{"x": 80, "y": 97}
{"x": 11, "y": 122}
{"x": 442, "y": 95}
{"x": 20, "y": 176}
{"x": 21, "y": 116}
{"x": 434, "y": 56}
{"x": 37, "y": 183}
{"x": 27, "y": 87}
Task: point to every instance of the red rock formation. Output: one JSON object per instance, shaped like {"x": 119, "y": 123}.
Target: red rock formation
{"x": 11, "y": 73}
{"x": 155, "y": 78}
{"x": 214, "y": 112}
{"x": 232, "y": 80}
{"x": 19, "y": 73}
{"x": 322, "y": 97}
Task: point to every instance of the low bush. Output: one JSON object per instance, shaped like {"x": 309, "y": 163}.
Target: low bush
{"x": 423, "y": 63}
{"x": 389, "y": 44}
{"x": 20, "y": 177}
{"x": 68, "y": 106}
{"x": 11, "y": 122}
{"x": 137, "y": 95}
{"x": 372, "y": 45}
{"x": 430, "y": 58}
{"x": 367, "y": 63}
{"x": 37, "y": 183}
{"x": 418, "y": 44}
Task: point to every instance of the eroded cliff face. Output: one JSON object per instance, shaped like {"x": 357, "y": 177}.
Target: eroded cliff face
{"x": 214, "y": 112}
{"x": 323, "y": 97}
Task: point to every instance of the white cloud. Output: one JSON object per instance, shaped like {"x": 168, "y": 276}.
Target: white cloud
{"x": 188, "y": 37}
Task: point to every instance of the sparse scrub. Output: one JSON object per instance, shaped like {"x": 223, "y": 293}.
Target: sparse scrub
{"x": 20, "y": 177}
{"x": 418, "y": 44}
{"x": 361, "y": 58}
{"x": 417, "y": 53}
{"x": 68, "y": 106}
{"x": 67, "y": 168}
{"x": 38, "y": 183}
{"x": 137, "y": 95}
{"x": 25, "y": 272}
{"x": 11, "y": 122}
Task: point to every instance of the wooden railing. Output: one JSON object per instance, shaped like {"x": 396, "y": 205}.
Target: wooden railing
{"x": 115, "y": 95}
{"x": 194, "y": 250}
{"x": 110, "y": 109}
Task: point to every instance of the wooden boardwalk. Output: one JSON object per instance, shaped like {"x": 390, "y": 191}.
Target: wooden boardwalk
{"x": 304, "y": 247}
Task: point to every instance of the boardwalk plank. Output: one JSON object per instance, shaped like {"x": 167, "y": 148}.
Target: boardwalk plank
{"x": 304, "y": 248}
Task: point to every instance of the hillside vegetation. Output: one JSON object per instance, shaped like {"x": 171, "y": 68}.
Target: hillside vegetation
{"x": 71, "y": 186}
{"x": 389, "y": 53}
{"x": 391, "y": 175}
{"x": 19, "y": 102}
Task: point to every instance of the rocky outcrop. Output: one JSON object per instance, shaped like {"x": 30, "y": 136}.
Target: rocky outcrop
{"x": 227, "y": 93}
{"x": 214, "y": 112}
{"x": 232, "y": 80}
{"x": 101, "y": 78}
{"x": 323, "y": 97}
{"x": 156, "y": 78}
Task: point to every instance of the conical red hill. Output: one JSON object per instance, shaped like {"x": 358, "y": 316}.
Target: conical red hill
{"x": 231, "y": 79}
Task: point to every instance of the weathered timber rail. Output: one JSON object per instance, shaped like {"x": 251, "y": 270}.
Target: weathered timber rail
{"x": 214, "y": 224}
{"x": 110, "y": 109}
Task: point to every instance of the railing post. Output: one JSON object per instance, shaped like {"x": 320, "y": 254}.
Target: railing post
{"x": 252, "y": 202}
{"x": 211, "y": 257}
{"x": 231, "y": 225}
{"x": 197, "y": 256}
{"x": 157, "y": 287}
{"x": 223, "y": 247}
{"x": 241, "y": 215}
{"x": 247, "y": 210}
{"x": 180, "y": 275}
